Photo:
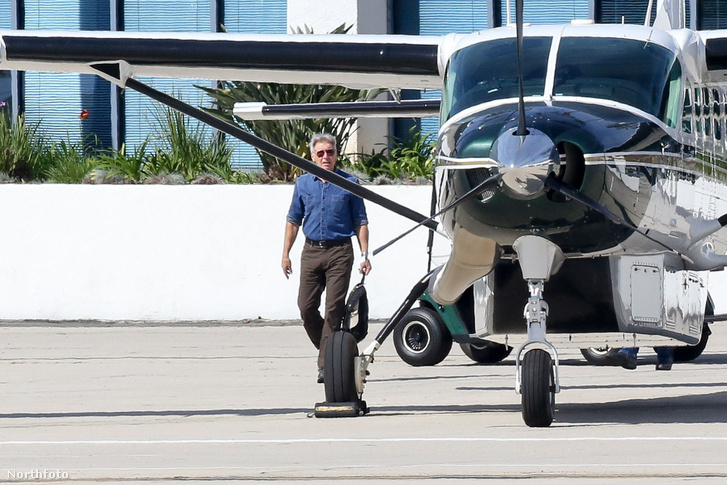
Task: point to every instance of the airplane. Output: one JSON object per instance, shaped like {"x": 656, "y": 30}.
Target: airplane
{"x": 580, "y": 170}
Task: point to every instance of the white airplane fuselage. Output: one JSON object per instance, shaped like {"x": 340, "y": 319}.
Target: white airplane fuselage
{"x": 638, "y": 127}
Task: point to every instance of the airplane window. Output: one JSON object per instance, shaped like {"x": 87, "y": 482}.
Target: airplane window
{"x": 5, "y": 90}
{"x": 697, "y": 102}
{"x": 487, "y": 71}
{"x": 624, "y": 70}
{"x": 687, "y": 112}
{"x": 716, "y": 100}
{"x": 669, "y": 112}
{"x": 705, "y": 101}
{"x": 717, "y": 129}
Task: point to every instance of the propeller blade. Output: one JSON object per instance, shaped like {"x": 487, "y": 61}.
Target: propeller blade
{"x": 522, "y": 130}
{"x": 553, "y": 183}
{"x": 263, "y": 145}
{"x": 477, "y": 190}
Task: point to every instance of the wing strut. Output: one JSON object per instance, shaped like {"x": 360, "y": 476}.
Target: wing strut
{"x": 265, "y": 146}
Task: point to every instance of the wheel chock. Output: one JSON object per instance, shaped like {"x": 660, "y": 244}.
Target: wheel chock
{"x": 341, "y": 409}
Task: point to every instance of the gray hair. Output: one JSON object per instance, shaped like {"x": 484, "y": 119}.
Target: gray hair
{"x": 325, "y": 137}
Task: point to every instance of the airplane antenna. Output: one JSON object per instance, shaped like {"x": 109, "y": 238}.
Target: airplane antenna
{"x": 648, "y": 13}
{"x": 521, "y": 128}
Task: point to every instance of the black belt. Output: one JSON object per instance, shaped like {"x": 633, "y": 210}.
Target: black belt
{"x": 330, "y": 243}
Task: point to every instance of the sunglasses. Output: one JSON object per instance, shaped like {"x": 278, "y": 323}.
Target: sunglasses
{"x": 330, "y": 153}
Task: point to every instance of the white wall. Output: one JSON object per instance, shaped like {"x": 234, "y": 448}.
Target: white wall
{"x": 176, "y": 252}
{"x": 166, "y": 253}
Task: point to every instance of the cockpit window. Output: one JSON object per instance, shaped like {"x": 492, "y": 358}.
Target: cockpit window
{"x": 488, "y": 71}
{"x": 637, "y": 73}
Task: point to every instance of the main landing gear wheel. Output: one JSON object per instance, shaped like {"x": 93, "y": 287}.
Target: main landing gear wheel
{"x": 538, "y": 389}
{"x": 596, "y": 355}
{"x": 339, "y": 368}
{"x": 691, "y": 352}
{"x": 422, "y": 338}
{"x": 486, "y": 352}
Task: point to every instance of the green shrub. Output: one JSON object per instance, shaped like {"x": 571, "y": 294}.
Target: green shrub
{"x": 22, "y": 148}
{"x": 411, "y": 158}
{"x": 129, "y": 166}
{"x": 187, "y": 148}
{"x": 70, "y": 163}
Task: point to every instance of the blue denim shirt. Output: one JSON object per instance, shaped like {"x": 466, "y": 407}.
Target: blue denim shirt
{"x": 325, "y": 211}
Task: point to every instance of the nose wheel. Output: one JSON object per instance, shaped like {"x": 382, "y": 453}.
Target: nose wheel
{"x": 538, "y": 388}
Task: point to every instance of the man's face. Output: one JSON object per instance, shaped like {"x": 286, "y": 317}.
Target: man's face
{"x": 324, "y": 154}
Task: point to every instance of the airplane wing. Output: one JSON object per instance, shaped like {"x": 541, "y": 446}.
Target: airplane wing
{"x": 360, "y": 61}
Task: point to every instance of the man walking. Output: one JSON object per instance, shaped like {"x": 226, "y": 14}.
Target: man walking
{"x": 330, "y": 216}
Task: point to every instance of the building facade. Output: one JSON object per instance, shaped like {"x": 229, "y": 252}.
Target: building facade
{"x": 118, "y": 118}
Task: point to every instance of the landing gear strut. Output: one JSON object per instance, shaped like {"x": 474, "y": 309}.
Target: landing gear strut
{"x": 537, "y": 372}
{"x": 536, "y": 361}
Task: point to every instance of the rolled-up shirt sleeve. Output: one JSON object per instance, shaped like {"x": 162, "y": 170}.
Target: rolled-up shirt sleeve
{"x": 358, "y": 212}
{"x": 296, "y": 211}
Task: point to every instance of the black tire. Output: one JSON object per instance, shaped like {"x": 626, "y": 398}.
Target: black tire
{"x": 538, "y": 388}
{"x": 486, "y": 352}
{"x": 691, "y": 352}
{"x": 339, "y": 368}
{"x": 422, "y": 338}
{"x": 597, "y": 355}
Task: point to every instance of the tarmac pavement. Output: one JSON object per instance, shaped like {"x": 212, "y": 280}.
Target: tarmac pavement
{"x": 90, "y": 403}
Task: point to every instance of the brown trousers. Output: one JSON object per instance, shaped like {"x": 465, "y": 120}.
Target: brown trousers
{"x": 329, "y": 269}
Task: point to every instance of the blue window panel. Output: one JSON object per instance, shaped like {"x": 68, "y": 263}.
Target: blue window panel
{"x": 141, "y": 114}
{"x": 256, "y": 16}
{"x": 5, "y": 14}
{"x": 462, "y": 16}
{"x": 5, "y": 79}
{"x": 57, "y": 100}
{"x": 52, "y": 14}
{"x": 712, "y": 15}
{"x": 167, "y": 15}
{"x": 6, "y": 91}
{"x": 623, "y": 11}
{"x": 253, "y": 17}
{"x": 544, "y": 12}
{"x": 54, "y": 101}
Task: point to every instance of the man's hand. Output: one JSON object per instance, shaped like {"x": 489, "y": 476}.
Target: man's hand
{"x": 287, "y": 267}
{"x": 365, "y": 267}
{"x": 291, "y": 231}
